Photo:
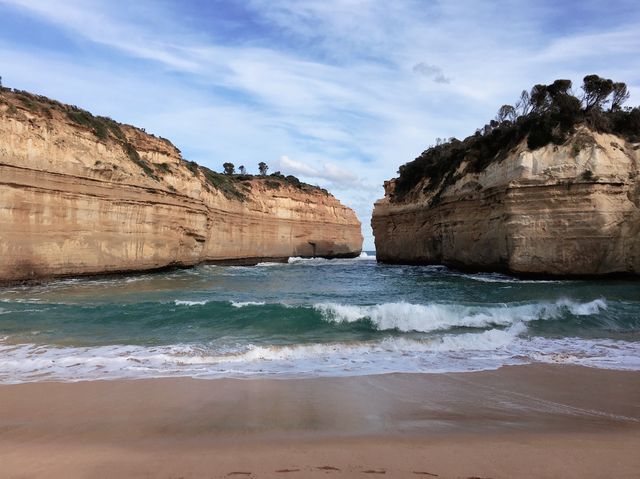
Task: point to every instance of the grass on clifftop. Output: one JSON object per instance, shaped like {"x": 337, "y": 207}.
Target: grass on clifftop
{"x": 105, "y": 129}
{"x": 102, "y": 127}
{"x": 236, "y": 186}
{"x": 277, "y": 180}
{"x": 546, "y": 114}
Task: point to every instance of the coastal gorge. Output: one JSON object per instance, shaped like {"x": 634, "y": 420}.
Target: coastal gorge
{"x": 550, "y": 187}
{"x": 82, "y": 194}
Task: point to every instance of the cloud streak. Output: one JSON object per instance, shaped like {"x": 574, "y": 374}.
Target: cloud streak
{"x": 337, "y": 176}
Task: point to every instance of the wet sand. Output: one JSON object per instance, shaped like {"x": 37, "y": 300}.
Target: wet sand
{"x": 524, "y": 421}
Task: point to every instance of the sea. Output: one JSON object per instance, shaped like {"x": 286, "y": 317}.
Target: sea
{"x": 310, "y": 318}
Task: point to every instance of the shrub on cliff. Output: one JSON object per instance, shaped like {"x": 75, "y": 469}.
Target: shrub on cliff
{"x": 545, "y": 114}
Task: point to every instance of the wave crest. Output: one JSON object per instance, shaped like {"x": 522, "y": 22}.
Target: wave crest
{"x": 408, "y": 317}
{"x": 179, "y": 302}
{"x": 244, "y": 304}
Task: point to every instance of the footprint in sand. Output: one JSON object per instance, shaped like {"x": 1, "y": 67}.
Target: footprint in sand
{"x": 425, "y": 473}
{"x": 288, "y": 470}
{"x": 239, "y": 473}
{"x": 374, "y": 471}
{"x": 327, "y": 468}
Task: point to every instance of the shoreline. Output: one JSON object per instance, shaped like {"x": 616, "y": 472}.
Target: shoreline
{"x": 250, "y": 261}
{"x": 517, "y": 421}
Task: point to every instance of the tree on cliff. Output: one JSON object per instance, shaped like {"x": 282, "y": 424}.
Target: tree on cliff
{"x": 620, "y": 95}
{"x": 523, "y": 105}
{"x": 546, "y": 114}
{"x": 263, "y": 167}
{"x": 506, "y": 113}
{"x": 229, "y": 168}
{"x": 243, "y": 170}
{"x": 596, "y": 90}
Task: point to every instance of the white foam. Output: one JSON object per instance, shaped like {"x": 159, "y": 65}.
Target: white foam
{"x": 318, "y": 261}
{"x": 486, "y": 341}
{"x": 308, "y": 261}
{"x": 244, "y": 304}
{"x": 438, "y": 317}
{"x": 500, "y": 278}
{"x": 326, "y": 261}
{"x": 135, "y": 279}
{"x": 583, "y": 309}
{"x": 448, "y": 353}
{"x": 21, "y": 300}
{"x": 179, "y": 302}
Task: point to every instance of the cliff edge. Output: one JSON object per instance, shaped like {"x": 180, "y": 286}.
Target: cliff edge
{"x": 81, "y": 194}
{"x": 569, "y": 207}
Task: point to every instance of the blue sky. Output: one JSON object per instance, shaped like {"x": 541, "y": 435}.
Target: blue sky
{"x": 337, "y": 92}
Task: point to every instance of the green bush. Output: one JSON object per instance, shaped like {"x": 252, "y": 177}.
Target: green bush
{"x": 163, "y": 167}
{"x": 133, "y": 155}
{"x": 223, "y": 183}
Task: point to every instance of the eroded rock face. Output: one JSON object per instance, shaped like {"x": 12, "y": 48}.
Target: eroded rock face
{"x": 73, "y": 204}
{"x": 559, "y": 210}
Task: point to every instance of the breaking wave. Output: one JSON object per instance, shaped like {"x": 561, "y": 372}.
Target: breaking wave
{"x": 179, "y": 302}
{"x": 243, "y": 304}
{"x": 489, "y": 349}
{"x": 407, "y": 317}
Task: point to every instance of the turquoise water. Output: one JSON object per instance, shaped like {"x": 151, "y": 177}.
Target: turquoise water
{"x": 311, "y": 318}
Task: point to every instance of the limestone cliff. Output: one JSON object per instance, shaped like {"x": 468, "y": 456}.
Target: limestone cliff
{"x": 570, "y": 209}
{"x": 82, "y": 195}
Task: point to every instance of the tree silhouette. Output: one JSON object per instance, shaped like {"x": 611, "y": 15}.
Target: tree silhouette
{"x": 523, "y": 105}
{"x": 506, "y": 113}
{"x": 243, "y": 170}
{"x": 539, "y": 99}
{"x": 559, "y": 88}
{"x": 263, "y": 167}
{"x": 596, "y": 90}
{"x": 229, "y": 168}
{"x": 620, "y": 95}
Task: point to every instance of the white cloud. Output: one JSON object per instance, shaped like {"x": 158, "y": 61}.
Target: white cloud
{"x": 334, "y": 174}
{"x": 297, "y": 167}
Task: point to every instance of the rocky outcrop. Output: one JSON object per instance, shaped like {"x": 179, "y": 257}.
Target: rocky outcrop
{"x": 562, "y": 210}
{"x": 85, "y": 195}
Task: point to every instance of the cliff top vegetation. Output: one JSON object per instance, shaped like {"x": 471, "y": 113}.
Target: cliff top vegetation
{"x": 547, "y": 114}
{"x": 233, "y": 186}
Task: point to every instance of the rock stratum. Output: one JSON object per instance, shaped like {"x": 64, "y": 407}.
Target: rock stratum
{"x": 86, "y": 195}
{"x": 570, "y": 209}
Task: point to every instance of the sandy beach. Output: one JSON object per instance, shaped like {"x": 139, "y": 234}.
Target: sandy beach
{"x": 524, "y": 421}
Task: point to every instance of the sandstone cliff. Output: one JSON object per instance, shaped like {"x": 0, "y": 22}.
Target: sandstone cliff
{"x": 84, "y": 195}
{"x": 570, "y": 209}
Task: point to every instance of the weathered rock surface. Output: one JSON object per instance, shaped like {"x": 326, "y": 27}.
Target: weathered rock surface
{"x": 72, "y": 203}
{"x": 559, "y": 210}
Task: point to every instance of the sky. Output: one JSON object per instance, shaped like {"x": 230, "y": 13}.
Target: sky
{"x": 337, "y": 92}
